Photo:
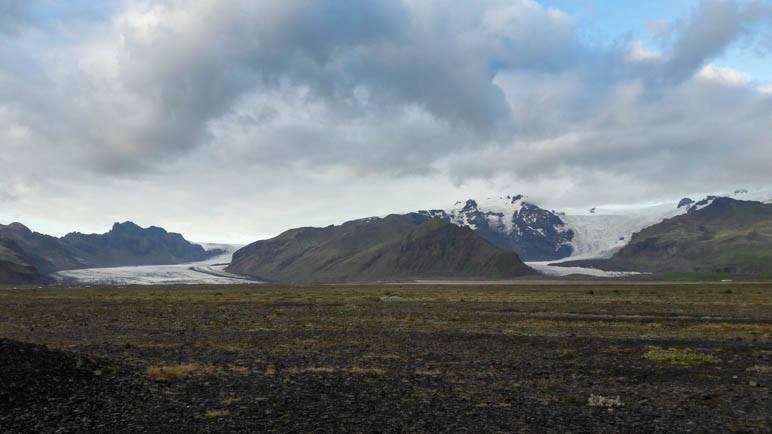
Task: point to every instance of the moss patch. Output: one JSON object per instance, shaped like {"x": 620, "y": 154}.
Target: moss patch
{"x": 680, "y": 357}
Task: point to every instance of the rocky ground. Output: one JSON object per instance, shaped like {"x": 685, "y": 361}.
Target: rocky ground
{"x": 567, "y": 357}
{"x": 48, "y": 390}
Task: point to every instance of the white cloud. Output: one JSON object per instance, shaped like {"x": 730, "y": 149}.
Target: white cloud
{"x": 637, "y": 53}
{"x": 258, "y": 115}
{"x": 723, "y": 75}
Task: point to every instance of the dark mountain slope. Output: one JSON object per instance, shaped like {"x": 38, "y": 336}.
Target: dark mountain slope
{"x": 398, "y": 247}
{"x": 44, "y": 252}
{"x": 13, "y": 269}
{"x": 298, "y": 254}
{"x": 727, "y": 235}
{"x": 436, "y": 250}
{"x": 129, "y": 244}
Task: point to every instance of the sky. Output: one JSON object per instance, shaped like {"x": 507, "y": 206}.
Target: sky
{"x": 233, "y": 121}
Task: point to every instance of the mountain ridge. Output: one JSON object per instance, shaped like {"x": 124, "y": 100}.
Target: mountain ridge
{"x": 29, "y": 255}
{"x": 396, "y": 247}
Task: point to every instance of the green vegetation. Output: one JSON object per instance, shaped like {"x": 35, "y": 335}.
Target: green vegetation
{"x": 213, "y": 414}
{"x": 680, "y": 357}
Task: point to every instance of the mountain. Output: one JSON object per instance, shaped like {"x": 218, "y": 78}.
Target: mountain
{"x": 397, "y": 247}
{"x": 718, "y": 234}
{"x": 602, "y": 233}
{"x": 514, "y": 224}
{"x": 25, "y": 255}
{"x": 13, "y": 269}
{"x": 44, "y": 252}
{"x": 129, "y": 244}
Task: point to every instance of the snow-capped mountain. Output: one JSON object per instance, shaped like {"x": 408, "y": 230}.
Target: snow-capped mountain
{"x": 538, "y": 234}
{"x": 512, "y": 223}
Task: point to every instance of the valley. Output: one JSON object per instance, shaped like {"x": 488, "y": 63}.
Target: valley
{"x": 207, "y": 272}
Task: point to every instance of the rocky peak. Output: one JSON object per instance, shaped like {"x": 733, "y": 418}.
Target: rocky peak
{"x": 511, "y": 223}
{"x": 126, "y": 227}
{"x": 470, "y": 205}
{"x": 696, "y": 206}
{"x": 685, "y": 202}
{"x": 19, "y": 228}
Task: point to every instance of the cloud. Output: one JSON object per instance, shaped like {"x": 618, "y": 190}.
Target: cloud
{"x": 714, "y": 25}
{"x": 149, "y": 85}
{"x": 727, "y": 76}
{"x": 148, "y": 107}
{"x": 13, "y": 15}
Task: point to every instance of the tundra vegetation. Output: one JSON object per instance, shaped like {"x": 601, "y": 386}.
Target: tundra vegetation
{"x": 417, "y": 357}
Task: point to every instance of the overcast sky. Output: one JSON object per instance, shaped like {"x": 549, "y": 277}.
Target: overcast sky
{"x": 234, "y": 120}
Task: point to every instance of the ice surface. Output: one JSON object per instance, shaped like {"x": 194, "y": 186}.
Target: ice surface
{"x": 600, "y": 234}
{"x": 554, "y": 270}
{"x": 210, "y": 272}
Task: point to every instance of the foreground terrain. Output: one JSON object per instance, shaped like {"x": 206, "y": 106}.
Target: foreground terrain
{"x": 530, "y": 357}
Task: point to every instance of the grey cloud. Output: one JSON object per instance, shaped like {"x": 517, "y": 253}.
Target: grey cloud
{"x": 182, "y": 103}
{"x": 714, "y": 25}
{"x": 179, "y": 66}
{"x": 14, "y": 14}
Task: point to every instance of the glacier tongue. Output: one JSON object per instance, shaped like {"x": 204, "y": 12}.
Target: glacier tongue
{"x": 600, "y": 233}
{"x": 209, "y": 272}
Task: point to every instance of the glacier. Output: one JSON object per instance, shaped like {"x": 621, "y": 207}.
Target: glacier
{"x": 208, "y": 272}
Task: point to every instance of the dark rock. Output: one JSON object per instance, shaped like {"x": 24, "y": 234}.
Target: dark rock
{"x": 51, "y": 390}
{"x": 685, "y": 202}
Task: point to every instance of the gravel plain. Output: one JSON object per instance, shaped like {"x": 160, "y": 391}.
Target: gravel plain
{"x": 528, "y": 357}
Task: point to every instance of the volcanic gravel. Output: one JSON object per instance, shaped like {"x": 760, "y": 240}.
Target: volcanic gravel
{"x": 386, "y": 360}
{"x": 43, "y": 390}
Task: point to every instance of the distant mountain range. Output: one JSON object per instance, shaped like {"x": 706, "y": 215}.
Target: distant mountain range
{"x": 471, "y": 240}
{"x": 610, "y": 239}
{"x": 397, "y": 247}
{"x": 26, "y": 256}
